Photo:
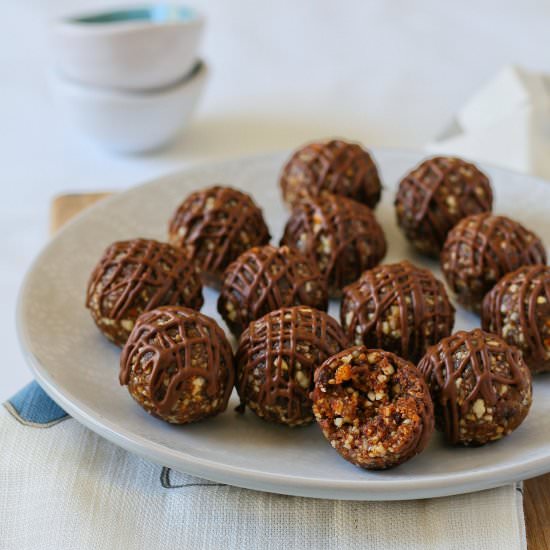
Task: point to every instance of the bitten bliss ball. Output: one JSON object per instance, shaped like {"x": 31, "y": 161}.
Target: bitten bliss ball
{"x": 266, "y": 278}
{"x": 482, "y": 248}
{"x": 214, "y": 226}
{"x": 480, "y": 386}
{"x": 136, "y": 276}
{"x": 397, "y": 307}
{"x": 373, "y": 407}
{"x": 518, "y": 310}
{"x": 178, "y": 365}
{"x": 437, "y": 194}
{"x": 341, "y": 235}
{"x": 335, "y": 166}
{"x": 276, "y": 359}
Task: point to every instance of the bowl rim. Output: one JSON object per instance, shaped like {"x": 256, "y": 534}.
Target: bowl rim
{"x": 72, "y": 24}
{"x": 192, "y": 78}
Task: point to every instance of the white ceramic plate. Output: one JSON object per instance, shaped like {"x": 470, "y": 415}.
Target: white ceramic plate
{"x": 79, "y": 368}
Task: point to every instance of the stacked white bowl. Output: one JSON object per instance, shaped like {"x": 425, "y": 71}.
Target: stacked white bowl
{"x": 129, "y": 79}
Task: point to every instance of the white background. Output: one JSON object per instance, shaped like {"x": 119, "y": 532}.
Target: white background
{"x": 383, "y": 72}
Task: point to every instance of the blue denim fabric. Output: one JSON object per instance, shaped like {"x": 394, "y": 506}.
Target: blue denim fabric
{"x": 33, "y": 406}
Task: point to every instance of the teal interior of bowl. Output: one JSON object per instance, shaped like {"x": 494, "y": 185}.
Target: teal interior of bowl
{"x": 152, "y": 14}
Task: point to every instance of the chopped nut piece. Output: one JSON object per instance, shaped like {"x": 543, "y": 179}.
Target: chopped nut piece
{"x": 302, "y": 379}
{"x": 388, "y": 369}
{"x": 373, "y": 357}
{"x": 127, "y": 324}
{"x": 479, "y": 407}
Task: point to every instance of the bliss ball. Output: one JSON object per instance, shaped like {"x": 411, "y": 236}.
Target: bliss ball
{"x": 178, "y": 365}
{"x": 435, "y": 196}
{"x": 335, "y": 166}
{"x": 265, "y": 278}
{"x": 397, "y": 307}
{"x": 136, "y": 276}
{"x": 480, "y": 386}
{"x": 481, "y": 249}
{"x": 341, "y": 235}
{"x": 214, "y": 226}
{"x": 518, "y": 310}
{"x": 373, "y": 407}
{"x": 277, "y": 357}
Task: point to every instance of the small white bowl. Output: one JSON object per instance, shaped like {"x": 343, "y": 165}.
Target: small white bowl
{"x": 133, "y": 49}
{"x": 130, "y": 122}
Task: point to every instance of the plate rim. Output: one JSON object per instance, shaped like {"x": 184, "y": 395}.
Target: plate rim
{"x": 367, "y": 490}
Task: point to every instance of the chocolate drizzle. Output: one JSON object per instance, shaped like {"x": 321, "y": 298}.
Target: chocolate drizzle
{"x": 518, "y": 309}
{"x": 139, "y": 275}
{"x": 216, "y": 225}
{"x": 266, "y": 278}
{"x": 336, "y": 166}
{"x": 341, "y": 235}
{"x": 397, "y": 307}
{"x": 277, "y": 356}
{"x": 482, "y": 248}
{"x": 477, "y": 361}
{"x": 171, "y": 346}
{"x": 434, "y": 196}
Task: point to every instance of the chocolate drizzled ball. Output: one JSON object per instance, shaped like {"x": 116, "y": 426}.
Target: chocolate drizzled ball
{"x": 480, "y": 249}
{"x": 265, "y": 278}
{"x": 480, "y": 386}
{"x": 335, "y": 166}
{"x": 397, "y": 307}
{"x": 373, "y": 407}
{"x": 433, "y": 197}
{"x": 178, "y": 365}
{"x": 214, "y": 226}
{"x": 277, "y": 356}
{"x": 136, "y": 276}
{"x": 518, "y": 310}
{"x": 341, "y": 235}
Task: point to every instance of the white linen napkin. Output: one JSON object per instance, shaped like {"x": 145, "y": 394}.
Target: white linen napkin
{"x": 62, "y": 486}
{"x": 507, "y": 123}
